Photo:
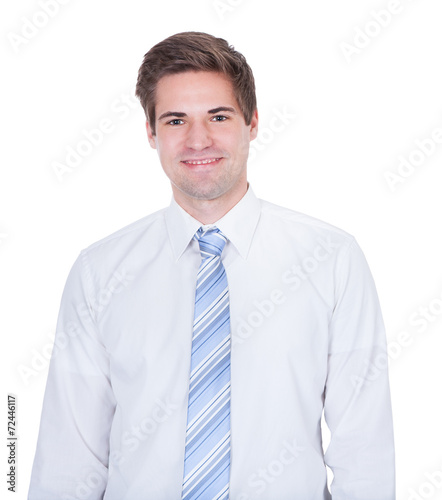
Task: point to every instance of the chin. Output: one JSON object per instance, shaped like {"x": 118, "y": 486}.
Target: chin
{"x": 203, "y": 194}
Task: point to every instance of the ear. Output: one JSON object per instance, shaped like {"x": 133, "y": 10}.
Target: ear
{"x": 151, "y": 136}
{"x": 254, "y": 125}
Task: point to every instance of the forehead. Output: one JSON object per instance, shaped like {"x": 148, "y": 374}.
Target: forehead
{"x": 194, "y": 90}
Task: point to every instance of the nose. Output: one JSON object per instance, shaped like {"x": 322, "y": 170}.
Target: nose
{"x": 198, "y": 136}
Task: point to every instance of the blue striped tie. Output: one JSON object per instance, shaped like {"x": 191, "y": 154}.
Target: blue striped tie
{"x": 207, "y": 453}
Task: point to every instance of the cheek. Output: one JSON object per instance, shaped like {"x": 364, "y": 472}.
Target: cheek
{"x": 169, "y": 147}
{"x": 243, "y": 144}
{"x": 232, "y": 142}
{"x": 162, "y": 148}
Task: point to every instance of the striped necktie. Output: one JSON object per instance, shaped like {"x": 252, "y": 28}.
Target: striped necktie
{"x": 207, "y": 452}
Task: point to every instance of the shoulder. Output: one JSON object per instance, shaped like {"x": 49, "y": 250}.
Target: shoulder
{"x": 129, "y": 238}
{"x": 302, "y": 227}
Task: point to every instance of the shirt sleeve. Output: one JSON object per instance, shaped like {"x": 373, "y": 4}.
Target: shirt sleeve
{"x": 71, "y": 459}
{"x": 357, "y": 407}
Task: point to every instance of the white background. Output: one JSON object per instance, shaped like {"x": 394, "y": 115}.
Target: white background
{"x": 348, "y": 120}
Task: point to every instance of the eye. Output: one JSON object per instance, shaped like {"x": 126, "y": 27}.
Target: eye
{"x": 176, "y": 121}
{"x": 219, "y": 118}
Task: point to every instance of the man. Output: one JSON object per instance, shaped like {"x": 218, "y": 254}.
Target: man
{"x": 202, "y": 343}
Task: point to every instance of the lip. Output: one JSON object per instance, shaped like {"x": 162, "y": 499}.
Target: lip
{"x": 204, "y": 162}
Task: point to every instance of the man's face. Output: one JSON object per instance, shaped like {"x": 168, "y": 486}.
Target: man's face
{"x": 201, "y": 136}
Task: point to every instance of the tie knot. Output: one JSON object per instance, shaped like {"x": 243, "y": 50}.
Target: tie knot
{"x": 211, "y": 242}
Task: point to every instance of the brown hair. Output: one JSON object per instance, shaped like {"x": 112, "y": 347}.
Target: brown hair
{"x": 195, "y": 51}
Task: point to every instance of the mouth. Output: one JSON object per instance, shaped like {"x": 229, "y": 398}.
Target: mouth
{"x": 205, "y": 161}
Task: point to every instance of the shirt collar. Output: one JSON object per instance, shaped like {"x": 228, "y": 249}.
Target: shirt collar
{"x": 238, "y": 224}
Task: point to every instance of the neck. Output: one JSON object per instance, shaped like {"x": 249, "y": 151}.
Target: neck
{"x": 209, "y": 211}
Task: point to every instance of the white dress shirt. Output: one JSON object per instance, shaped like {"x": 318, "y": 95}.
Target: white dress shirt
{"x": 307, "y": 335}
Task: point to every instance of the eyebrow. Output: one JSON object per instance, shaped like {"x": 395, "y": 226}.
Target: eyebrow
{"x": 213, "y": 111}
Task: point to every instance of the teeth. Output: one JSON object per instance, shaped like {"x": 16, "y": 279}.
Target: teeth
{"x": 201, "y": 162}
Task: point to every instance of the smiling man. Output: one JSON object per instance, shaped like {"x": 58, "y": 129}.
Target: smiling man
{"x": 206, "y": 340}
{"x": 202, "y": 142}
